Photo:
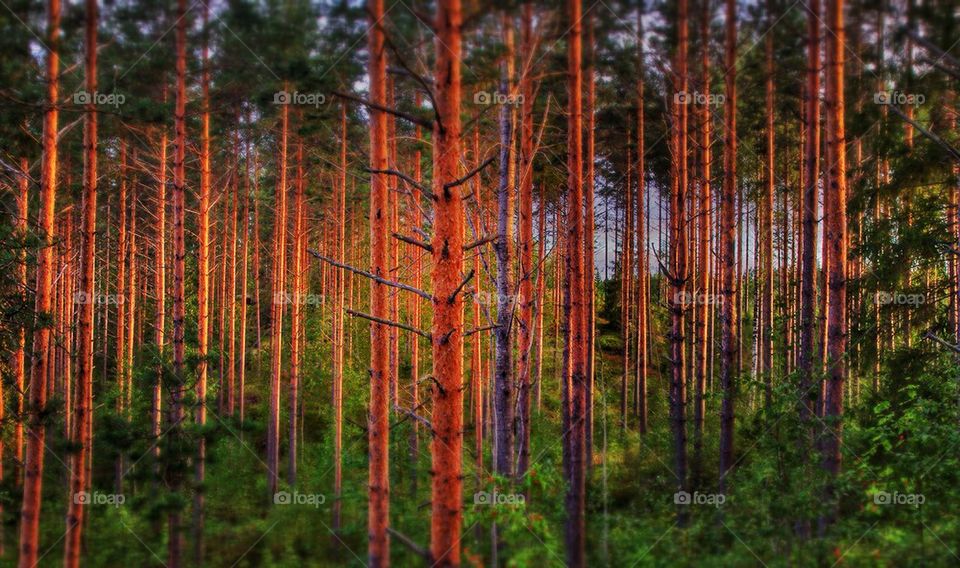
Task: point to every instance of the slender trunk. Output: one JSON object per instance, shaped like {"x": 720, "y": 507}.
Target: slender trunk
{"x": 278, "y": 297}
{"x": 527, "y": 300}
{"x": 575, "y": 318}
{"x": 296, "y": 317}
{"x": 703, "y": 302}
{"x": 728, "y": 247}
{"x": 503, "y": 248}
{"x": 338, "y": 330}
{"x": 836, "y": 237}
{"x": 176, "y": 389}
{"x": 810, "y": 213}
{"x": 766, "y": 228}
{"x": 589, "y": 280}
{"x": 447, "y": 443}
{"x": 19, "y": 355}
{"x": 643, "y": 272}
{"x": 378, "y": 552}
{"x": 82, "y": 409}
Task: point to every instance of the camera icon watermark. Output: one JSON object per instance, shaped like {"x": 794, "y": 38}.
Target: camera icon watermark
{"x": 686, "y": 299}
{"x": 698, "y": 98}
{"x": 296, "y": 498}
{"x": 914, "y": 500}
{"x": 97, "y": 498}
{"x": 485, "y": 98}
{"x": 301, "y": 299}
{"x": 98, "y": 299}
{"x": 297, "y": 98}
{"x": 697, "y": 498}
{"x": 496, "y": 498}
{"x": 82, "y": 97}
{"x": 883, "y": 298}
{"x": 898, "y": 98}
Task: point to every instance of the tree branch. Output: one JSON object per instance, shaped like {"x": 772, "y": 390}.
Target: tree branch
{"x": 409, "y": 543}
{"x": 372, "y": 276}
{"x": 397, "y": 113}
{"x": 423, "y": 188}
{"x": 409, "y": 328}
{"x": 480, "y": 242}
{"x": 470, "y": 332}
{"x": 470, "y": 174}
{"x": 413, "y": 241}
{"x": 468, "y": 278}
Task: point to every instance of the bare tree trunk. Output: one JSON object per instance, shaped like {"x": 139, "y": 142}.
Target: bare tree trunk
{"x": 766, "y": 229}
{"x": 296, "y": 317}
{"x": 643, "y": 273}
{"x": 378, "y": 552}
{"x": 82, "y": 409}
{"x": 447, "y": 443}
{"x": 588, "y": 236}
{"x": 527, "y": 300}
{"x": 575, "y": 318}
{"x": 810, "y": 213}
{"x": 176, "y": 389}
{"x": 836, "y": 237}
{"x": 338, "y": 330}
{"x": 728, "y": 246}
{"x": 503, "y": 248}
{"x": 278, "y": 296}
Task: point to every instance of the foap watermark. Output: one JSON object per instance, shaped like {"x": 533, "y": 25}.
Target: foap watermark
{"x": 896, "y": 498}
{"x": 288, "y": 299}
{"x": 299, "y": 99}
{"x": 296, "y": 498}
{"x": 98, "y": 299}
{"x": 97, "y": 498}
{"x": 898, "y": 98}
{"x": 497, "y": 498}
{"x": 899, "y": 299}
{"x": 697, "y": 98}
{"x": 697, "y": 298}
{"x": 697, "y": 498}
{"x": 493, "y": 299}
{"x": 496, "y": 98}
{"x": 99, "y": 99}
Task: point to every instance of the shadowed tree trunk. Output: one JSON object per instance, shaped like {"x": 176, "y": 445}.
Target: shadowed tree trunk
{"x": 728, "y": 247}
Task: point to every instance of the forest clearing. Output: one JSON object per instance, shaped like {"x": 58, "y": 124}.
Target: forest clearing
{"x": 465, "y": 283}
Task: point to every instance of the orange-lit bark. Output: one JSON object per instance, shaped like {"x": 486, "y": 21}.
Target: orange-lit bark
{"x": 446, "y": 446}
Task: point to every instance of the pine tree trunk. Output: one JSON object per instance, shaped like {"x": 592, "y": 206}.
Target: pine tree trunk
{"x": 643, "y": 272}
{"x": 447, "y": 443}
{"x": 575, "y": 318}
{"x": 728, "y": 246}
{"x": 702, "y": 300}
{"x": 82, "y": 413}
{"x": 378, "y": 553}
{"x": 836, "y": 237}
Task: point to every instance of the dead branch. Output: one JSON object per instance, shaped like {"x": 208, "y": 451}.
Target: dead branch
{"x": 470, "y": 174}
{"x": 409, "y": 328}
{"x": 371, "y": 276}
{"x": 413, "y": 241}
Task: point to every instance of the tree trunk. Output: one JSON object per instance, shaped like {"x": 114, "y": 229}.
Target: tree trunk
{"x": 527, "y": 300}
{"x": 728, "y": 270}
{"x": 643, "y": 272}
{"x": 447, "y": 443}
{"x": 82, "y": 417}
{"x": 575, "y": 318}
{"x": 378, "y": 553}
{"x": 503, "y": 248}
{"x": 702, "y": 301}
{"x": 810, "y": 213}
{"x": 296, "y": 317}
{"x": 836, "y": 237}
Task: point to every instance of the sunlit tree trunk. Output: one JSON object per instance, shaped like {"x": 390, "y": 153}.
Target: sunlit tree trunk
{"x": 766, "y": 227}
{"x": 703, "y": 303}
{"x": 82, "y": 417}
{"x": 643, "y": 272}
{"x": 378, "y": 552}
{"x": 575, "y": 319}
{"x": 277, "y": 301}
{"x": 588, "y": 236}
{"x": 836, "y": 236}
{"x": 340, "y": 198}
{"x": 19, "y": 355}
{"x": 447, "y": 443}
{"x": 296, "y": 316}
